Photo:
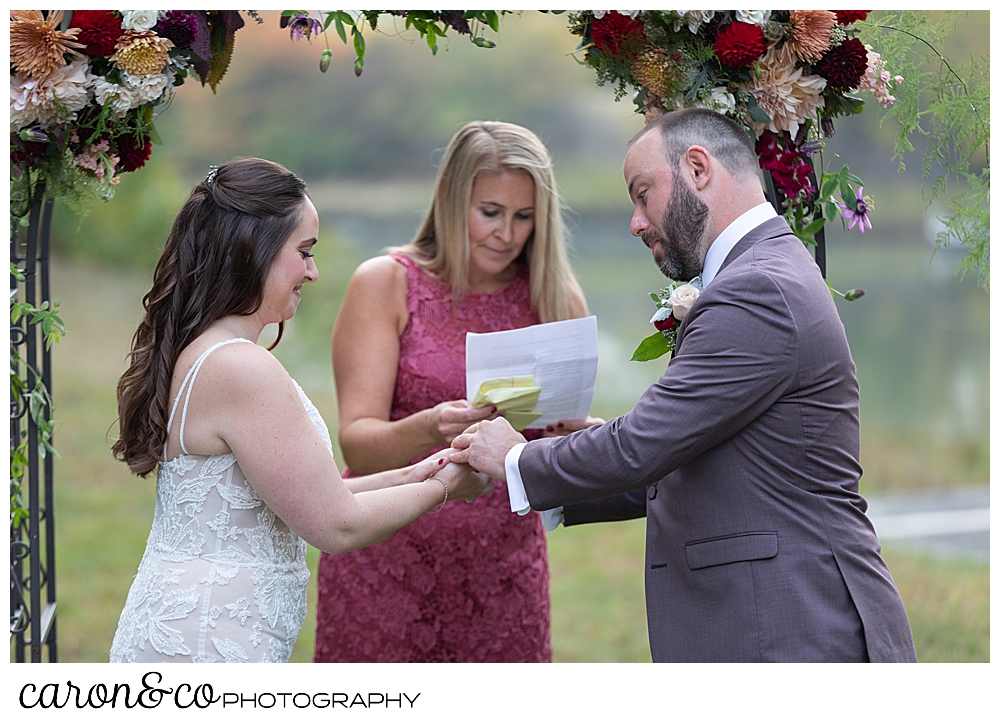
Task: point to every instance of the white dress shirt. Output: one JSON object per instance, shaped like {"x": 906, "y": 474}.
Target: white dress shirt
{"x": 716, "y": 255}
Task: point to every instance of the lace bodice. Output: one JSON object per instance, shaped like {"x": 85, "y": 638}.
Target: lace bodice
{"x": 468, "y": 584}
{"x": 222, "y": 579}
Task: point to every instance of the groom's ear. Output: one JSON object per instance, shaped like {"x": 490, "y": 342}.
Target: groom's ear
{"x": 698, "y": 164}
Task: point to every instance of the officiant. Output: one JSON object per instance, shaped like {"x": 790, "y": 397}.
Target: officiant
{"x": 469, "y": 584}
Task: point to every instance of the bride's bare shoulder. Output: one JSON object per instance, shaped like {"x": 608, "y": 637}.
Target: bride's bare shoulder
{"x": 232, "y": 371}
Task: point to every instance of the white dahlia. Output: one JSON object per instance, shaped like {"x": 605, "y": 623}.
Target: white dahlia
{"x": 786, "y": 95}
{"x": 753, "y": 17}
{"x": 41, "y": 100}
{"x": 120, "y": 97}
{"x": 147, "y": 88}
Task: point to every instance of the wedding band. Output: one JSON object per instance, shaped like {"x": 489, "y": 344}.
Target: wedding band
{"x": 468, "y": 502}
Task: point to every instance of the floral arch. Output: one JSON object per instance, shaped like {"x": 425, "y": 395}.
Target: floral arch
{"x": 87, "y": 86}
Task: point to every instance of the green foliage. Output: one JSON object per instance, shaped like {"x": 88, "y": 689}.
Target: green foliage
{"x": 429, "y": 24}
{"x": 27, "y": 387}
{"x": 652, "y": 347}
{"x": 949, "y": 105}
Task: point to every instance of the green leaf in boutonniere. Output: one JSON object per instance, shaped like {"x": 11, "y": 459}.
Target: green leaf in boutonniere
{"x": 652, "y": 347}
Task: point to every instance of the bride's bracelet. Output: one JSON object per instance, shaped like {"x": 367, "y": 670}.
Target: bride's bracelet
{"x": 443, "y": 484}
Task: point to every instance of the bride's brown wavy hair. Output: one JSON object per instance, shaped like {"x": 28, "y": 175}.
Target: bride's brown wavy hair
{"x": 215, "y": 263}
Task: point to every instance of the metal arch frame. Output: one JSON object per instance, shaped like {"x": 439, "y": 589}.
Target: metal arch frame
{"x": 32, "y": 543}
{"x": 776, "y": 198}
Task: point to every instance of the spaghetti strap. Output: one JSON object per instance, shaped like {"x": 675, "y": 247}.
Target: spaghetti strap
{"x": 189, "y": 383}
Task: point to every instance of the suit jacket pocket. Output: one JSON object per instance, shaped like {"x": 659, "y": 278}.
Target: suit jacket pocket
{"x": 731, "y": 548}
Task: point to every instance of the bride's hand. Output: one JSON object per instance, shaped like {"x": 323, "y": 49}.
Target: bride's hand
{"x": 449, "y": 419}
{"x": 464, "y": 483}
{"x": 428, "y": 467}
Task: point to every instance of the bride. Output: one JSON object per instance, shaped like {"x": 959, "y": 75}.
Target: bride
{"x": 245, "y": 471}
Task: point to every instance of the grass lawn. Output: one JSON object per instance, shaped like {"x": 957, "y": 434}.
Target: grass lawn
{"x": 598, "y": 610}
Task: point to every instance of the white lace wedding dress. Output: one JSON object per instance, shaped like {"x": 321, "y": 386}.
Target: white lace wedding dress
{"x": 222, "y": 579}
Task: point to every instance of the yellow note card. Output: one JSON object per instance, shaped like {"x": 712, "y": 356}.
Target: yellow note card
{"x": 514, "y": 396}
{"x": 520, "y": 420}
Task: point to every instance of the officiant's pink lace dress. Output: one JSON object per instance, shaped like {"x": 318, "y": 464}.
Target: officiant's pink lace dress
{"x": 470, "y": 583}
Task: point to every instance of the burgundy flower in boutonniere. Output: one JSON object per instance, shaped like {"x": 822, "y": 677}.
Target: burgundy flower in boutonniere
{"x": 665, "y": 324}
{"x": 672, "y": 305}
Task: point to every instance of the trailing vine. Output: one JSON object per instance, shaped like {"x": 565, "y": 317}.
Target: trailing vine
{"x": 942, "y": 101}
{"x": 31, "y": 391}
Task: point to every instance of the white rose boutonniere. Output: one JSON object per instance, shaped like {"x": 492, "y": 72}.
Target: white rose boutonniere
{"x": 682, "y": 298}
{"x": 672, "y": 305}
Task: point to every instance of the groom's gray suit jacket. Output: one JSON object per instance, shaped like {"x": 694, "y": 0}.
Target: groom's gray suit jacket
{"x": 744, "y": 457}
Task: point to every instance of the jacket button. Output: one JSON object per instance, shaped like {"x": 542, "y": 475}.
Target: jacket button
{"x": 651, "y": 492}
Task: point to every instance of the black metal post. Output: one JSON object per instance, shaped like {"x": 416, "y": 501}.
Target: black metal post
{"x": 32, "y": 621}
{"x": 777, "y": 198}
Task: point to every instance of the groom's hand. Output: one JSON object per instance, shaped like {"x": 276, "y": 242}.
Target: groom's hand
{"x": 485, "y": 444}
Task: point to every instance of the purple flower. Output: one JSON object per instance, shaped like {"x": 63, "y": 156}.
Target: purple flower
{"x": 859, "y": 215}
{"x": 33, "y": 135}
{"x": 303, "y": 26}
{"x": 180, "y": 27}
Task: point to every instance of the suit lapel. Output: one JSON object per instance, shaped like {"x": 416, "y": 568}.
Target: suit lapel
{"x": 769, "y": 229}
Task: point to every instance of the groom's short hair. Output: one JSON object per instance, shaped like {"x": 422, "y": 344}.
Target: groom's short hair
{"x": 723, "y": 137}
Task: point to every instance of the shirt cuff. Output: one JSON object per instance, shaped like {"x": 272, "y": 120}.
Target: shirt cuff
{"x": 553, "y": 518}
{"x": 515, "y": 487}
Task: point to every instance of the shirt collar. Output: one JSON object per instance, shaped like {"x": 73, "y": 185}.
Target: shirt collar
{"x": 726, "y": 240}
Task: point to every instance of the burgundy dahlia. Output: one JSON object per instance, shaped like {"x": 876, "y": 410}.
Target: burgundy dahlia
{"x": 846, "y": 17}
{"x": 179, "y": 27}
{"x": 132, "y": 154}
{"x": 784, "y": 161}
{"x": 31, "y": 154}
{"x": 617, "y": 35}
{"x": 739, "y": 44}
{"x": 845, "y": 65}
{"x": 99, "y": 30}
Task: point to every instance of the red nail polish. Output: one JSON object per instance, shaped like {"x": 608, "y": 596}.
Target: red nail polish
{"x": 493, "y": 410}
{"x": 560, "y": 424}
{"x": 550, "y": 428}
{"x": 441, "y": 461}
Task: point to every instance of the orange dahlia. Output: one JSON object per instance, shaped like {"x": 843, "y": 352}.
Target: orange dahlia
{"x": 141, "y": 53}
{"x": 659, "y": 71}
{"x": 809, "y": 35}
{"x": 37, "y": 46}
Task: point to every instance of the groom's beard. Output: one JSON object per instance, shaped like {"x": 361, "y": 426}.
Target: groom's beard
{"x": 683, "y": 226}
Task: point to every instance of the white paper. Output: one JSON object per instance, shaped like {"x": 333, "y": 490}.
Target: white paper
{"x": 561, "y": 356}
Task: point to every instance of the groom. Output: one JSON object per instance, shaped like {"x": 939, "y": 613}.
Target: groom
{"x": 744, "y": 455}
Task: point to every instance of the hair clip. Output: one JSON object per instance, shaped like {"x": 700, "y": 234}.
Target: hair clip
{"x": 212, "y": 173}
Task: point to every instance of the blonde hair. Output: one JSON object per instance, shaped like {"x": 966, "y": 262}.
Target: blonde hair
{"x": 441, "y": 245}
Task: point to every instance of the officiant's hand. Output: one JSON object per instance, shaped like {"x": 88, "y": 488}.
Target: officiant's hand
{"x": 568, "y": 426}
{"x": 449, "y": 419}
{"x": 485, "y": 444}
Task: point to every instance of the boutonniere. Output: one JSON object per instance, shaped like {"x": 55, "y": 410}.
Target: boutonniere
{"x": 672, "y": 305}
